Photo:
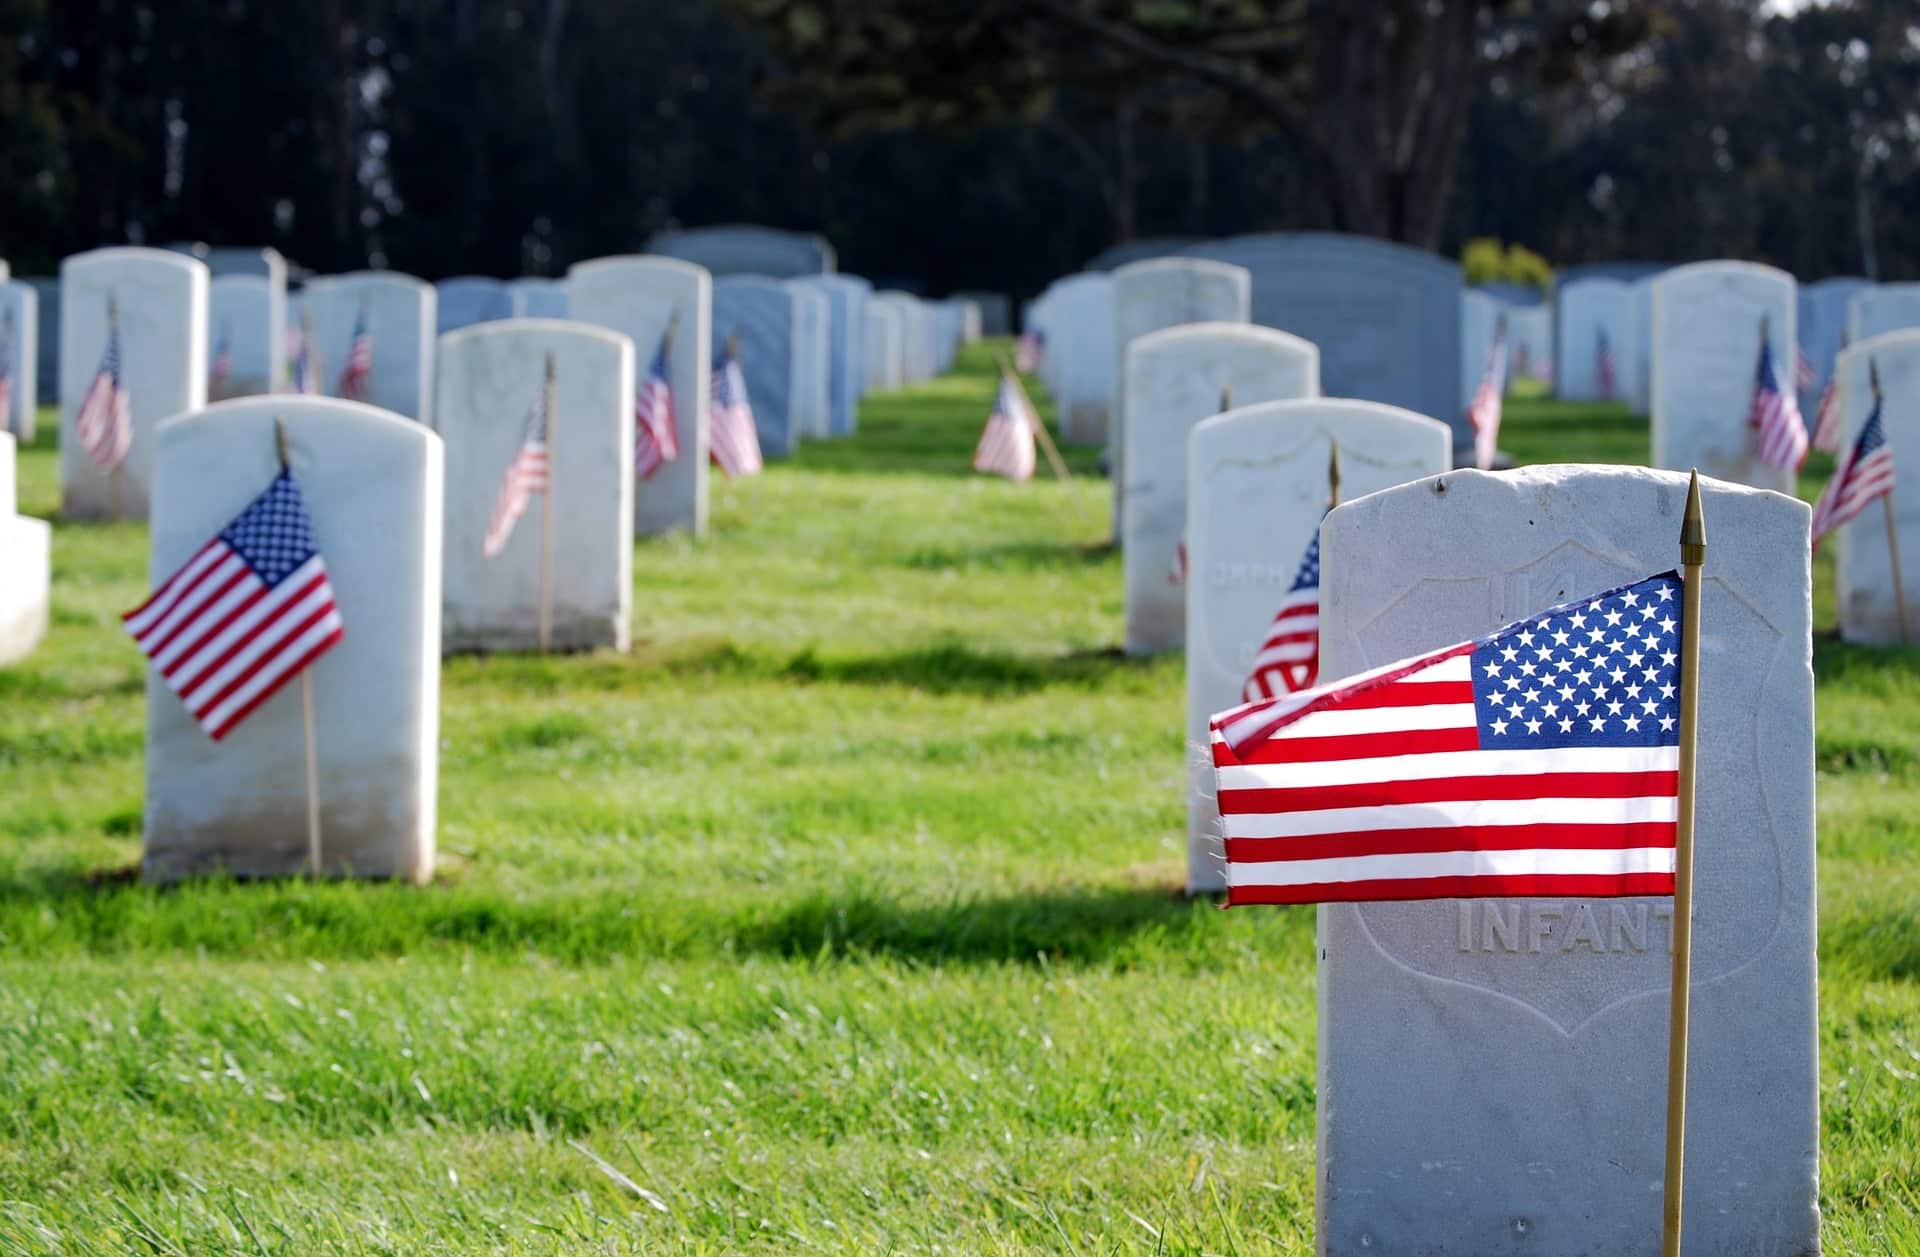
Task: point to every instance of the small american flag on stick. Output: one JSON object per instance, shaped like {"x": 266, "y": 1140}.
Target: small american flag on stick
{"x": 355, "y": 376}
{"x": 6, "y": 373}
{"x": 1028, "y": 349}
{"x": 1604, "y": 367}
{"x": 1542, "y": 759}
{"x": 1865, "y": 474}
{"x": 1487, "y": 400}
{"x": 222, "y": 369}
{"x": 655, "y": 437}
{"x": 732, "y": 441}
{"x": 1006, "y": 445}
{"x": 1803, "y": 373}
{"x": 526, "y": 475}
{"x": 1783, "y": 435}
{"x": 246, "y": 614}
{"x": 1826, "y": 415}
{"x": 1289, "y": 659}
{"x": 104, "y": 421}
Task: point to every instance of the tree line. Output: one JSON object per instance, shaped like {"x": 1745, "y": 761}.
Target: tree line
{"x": 959, "y": 143}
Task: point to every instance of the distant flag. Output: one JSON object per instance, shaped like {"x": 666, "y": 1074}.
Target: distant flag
{"x": 1289, "y": 660}
{"x": 732, "y": 442}
{"x": 1865, "y": 474}
{"x": 104, "y": 421}
{"x": 1457, "y": 774}
{"x": 1803, "y": 373}
{"x": 304, "y": 354}
{"x": 526, "y": 475}
{"x": 222, "y": 361}
{"x": 1487, "y": 400}
{"x": 1826, "y": 416}
{"x": 1783, "y": 436}
{"x": 1028, "y": 350}
{"x": 655, "y": 438}
{"x": 1604, "y": 367}
{"x": 1006, "y": 444}
{"x": 244, "y": 615}
{"x": 6, "y": 372}
{"x": 359, "y": 368}
{"x": 1177, "y": 570}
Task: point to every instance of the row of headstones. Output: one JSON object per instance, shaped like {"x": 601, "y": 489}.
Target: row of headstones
{"x": 804, "y": 347}
{"x": 810, "y": 347}
{"x": 1218, "y": 514}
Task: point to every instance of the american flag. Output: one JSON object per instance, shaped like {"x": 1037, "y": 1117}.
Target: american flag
{"x": 6, "y": 373}
{"x": 1289, "y": 660}
{"x": 1485, "y": 410}
{"x": 526, "y": 475}
{"x": 1826, "y": 416}
{"x": 304, "y": 354}
{"x": 1177, "y": 570}
{"x": 1542, "y": 759}
{"x": 1865, "y": 474}
{"x": 1028, "y": 349}
{"x": 1604, "y": 367}
{"x": 222, "y": 370}
{"x": 655, "y": 439}
{"x": 104, "y": 421}
{"x": 732, "y": 442}
{"x": 1803, "y": 372}
{"x": 1006, "y": 444}
{"x": 1783, "y": 436}
{"x": 249, "y": 611}
{"x": 359, "y": 368}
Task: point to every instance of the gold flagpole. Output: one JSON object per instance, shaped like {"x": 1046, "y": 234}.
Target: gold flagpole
{"x": 1693, "y": 555}
{"x": 1054, "y": 460}
{"x": 306, "y": 714}
{"x": 1893, "y": 531}
{"x": 1333, "y": 476}
{"x": 546, "y": 518}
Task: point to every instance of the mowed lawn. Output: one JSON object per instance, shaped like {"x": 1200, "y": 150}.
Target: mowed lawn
{"x": 836, "y": 916}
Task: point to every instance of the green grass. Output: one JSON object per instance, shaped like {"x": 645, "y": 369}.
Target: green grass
{"x": 836, "y": 916}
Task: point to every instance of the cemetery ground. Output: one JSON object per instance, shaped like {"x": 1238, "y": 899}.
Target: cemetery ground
{"x": 836, "y": 916}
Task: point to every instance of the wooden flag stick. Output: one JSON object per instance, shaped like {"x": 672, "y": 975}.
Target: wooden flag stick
{"x": 306, "y": 713}
{"x": 1333, "y": 476}
{"x": 1893, "y": 531}
{"x": 1054, "y": 460}
{"x": 546, "y": 518}
{"x": 1693, "y": 555}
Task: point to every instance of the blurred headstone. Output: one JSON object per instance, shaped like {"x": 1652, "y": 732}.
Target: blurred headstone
{"x": 744, "y": 249}
{"x": 761, "y": 314}
{"x": 399, "y": 315}
{"x": 1707, "y": 322}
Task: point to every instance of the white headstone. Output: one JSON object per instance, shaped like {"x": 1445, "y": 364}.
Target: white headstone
{"x": 162, "y": 301}
{"x": 1821, "y": 325}
{"x": 466, "y": 300}
{"x": 533, "y": 298}
{"x": 1479, "y": 319}
{"x": 1883, "y": 308}
{"x": 813, "y": 321}
{"x": 1175, "y": 378}
{"x": 883, "y": 346}
{"x": 1492, "y": 1073}
{"x": 1863, "y": 591}
{"x": 1080, "y": 354}
{"x": 916, "y": 344}
{"x": 400, "y": 320}
{"x": 639, "y": 296}
{"x": 25, "y": 568}
{"x": 491, "y": 375}
{"x": 1258, "y": 482}
{"x": 1707, "y": 319}
{"x": 248, "y": 317}
{"x": 1530, "y": 342}
{"x": 372, "y": 486}
{"x": 1588, "y": 311}
{"x": 20, "y": 330}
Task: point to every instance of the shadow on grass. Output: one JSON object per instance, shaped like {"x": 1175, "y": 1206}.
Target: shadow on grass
{"x": 111, "y": 912}
{"x": 1025, "y": 555}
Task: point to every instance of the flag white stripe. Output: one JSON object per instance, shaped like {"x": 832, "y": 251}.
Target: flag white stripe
{"x": 1339, "y": 723}
{"x": 176, "y": 585}
{"x": 1477, "y": 813}
{"x": 286, "y": 658}
{"x": 188, "y": 606}
{"x": 1438, "y": 764}
{"x": 210, "y": 614}
{"x": 1285, "y": 652}
{"x": 1541, "y": 862}
{"x": 187, "y": 676}
{"x": 279, "y": 612}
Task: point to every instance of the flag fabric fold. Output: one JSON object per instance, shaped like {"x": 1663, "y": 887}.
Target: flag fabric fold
{"x": 526, "y": 475}
{"x": 656, "y": 439}
{"x": 243, "y": 616}
{"x": 1783, "y": 435}
{"x": 1865, "y": 474}
{"x": 1826, "y": 416}
{"x": 1289, "y": 659}
{"x": 1006, "y": 445}
{"x": 733, "y": 443}
{"x": 104, "y": 421}
{"x": 1541, "y": 759}
{"x": 1484, "y": 412}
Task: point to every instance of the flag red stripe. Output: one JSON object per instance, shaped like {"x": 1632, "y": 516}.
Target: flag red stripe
{"x": 1352, "y": 746}
{"x": 1405, "y": 694}
{"x": 320, "y": 648}
{"x": 172, "y": 584}
{"x": 193, "y": 604}
{"x": 172, "y": 672}
{"x": 1614, "y": 785}
{"x": 291, "y": 598}
{"x": 1546, "y": 837}
{"x": 202, "y": 703}
{"x": 1570, "y": 886}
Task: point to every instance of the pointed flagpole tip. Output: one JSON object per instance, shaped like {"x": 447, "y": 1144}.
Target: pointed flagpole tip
{"x": 1873, "y": 377}
{"x": 280, "y": 441}
{"x": 1226, "y": 398}
{"x": 1693, "y": 526}
{"x": 1333, "y": 473}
